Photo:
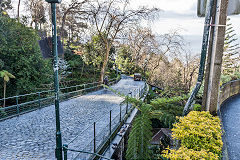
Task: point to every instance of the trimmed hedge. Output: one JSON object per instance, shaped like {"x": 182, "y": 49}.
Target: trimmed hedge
{"x": 200, "y": 135}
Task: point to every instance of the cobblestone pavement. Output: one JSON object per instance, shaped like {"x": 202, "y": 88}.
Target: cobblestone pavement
{"x": 231, "y": 122}
{"x": 32, "y": 135}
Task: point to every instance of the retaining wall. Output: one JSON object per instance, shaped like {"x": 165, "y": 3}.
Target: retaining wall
{"x": 228, "y": 90}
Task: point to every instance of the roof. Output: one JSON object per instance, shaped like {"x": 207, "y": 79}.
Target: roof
{"x": 159, "y": 135}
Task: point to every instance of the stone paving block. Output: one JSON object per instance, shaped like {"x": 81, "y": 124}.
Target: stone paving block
{"x": 32, "y": 135}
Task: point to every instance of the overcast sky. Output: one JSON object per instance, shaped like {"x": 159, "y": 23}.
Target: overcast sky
{"x": 182, "y": 15}
{"x": 177, "y": 15}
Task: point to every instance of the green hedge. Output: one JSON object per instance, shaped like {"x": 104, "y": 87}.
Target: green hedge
{"x": 200, "y": 135}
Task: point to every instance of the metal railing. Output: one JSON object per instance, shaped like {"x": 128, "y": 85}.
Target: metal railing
{"x": 21, "y": 104}
{"x": 100, "y": 137}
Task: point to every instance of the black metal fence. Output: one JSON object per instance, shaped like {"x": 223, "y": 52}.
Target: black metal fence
{"x": 99, "y": 137}
{"x": 29, "y": 102}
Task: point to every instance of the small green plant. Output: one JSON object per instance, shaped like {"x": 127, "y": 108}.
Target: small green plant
{"x": 197, "y": 107}
{"x": 2, "y": 114}
{"x": 166, "y": 109}
{"x": 6, "y": 77}
{"x": 198, "y": 132}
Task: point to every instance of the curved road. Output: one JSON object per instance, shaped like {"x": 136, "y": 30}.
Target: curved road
{"x": 32, "y": 135}
{"x": 231, "y": 123}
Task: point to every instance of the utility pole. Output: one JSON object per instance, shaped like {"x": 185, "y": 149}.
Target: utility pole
{"x": 211, "y": 91}
{"x": 210, "y": 46}
{"x": 58, "y": 150}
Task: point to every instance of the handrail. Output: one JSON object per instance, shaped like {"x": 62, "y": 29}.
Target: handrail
{"x": 95, "y": 154}
{"x": 34, "y": 93}
{"x": 41, "y": 98}
{"x": 227, "y": 90}
{"x": 117, "y": 120}
{"x": 229, "y": 82}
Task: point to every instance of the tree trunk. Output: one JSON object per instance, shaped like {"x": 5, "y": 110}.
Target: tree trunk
{"x": 4, "y": 93}
{"x": 82, "y": 69}
{"x": 18, "y": 10}
{"x": 105, "y": 61}
{"x": 63, "y": 25}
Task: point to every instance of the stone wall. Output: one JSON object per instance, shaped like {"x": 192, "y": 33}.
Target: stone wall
{"x": 228, "y": 90}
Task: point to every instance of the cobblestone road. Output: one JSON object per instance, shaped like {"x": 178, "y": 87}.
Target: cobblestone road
{"x": 231, "y": 122}
{"x": 32, "y": 135}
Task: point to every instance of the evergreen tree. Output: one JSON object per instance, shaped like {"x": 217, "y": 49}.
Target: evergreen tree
{"x": 231, "y": 57}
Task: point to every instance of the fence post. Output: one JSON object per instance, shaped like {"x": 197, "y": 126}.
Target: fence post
{"x": 127, "y": 105}
{"x": 17, "y": 105}
{"x": 139, "y": 93}
{"x": 39, "y": 102}
{"x": 110, "y": 127}
{"x": 94, "y": 134}
{"x": 65, "y": 148}
{"x": 128, "y": 102}
{"x": 120, "y": 113}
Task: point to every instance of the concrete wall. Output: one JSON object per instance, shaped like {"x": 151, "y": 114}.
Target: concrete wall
{"x": 228, "y": 90}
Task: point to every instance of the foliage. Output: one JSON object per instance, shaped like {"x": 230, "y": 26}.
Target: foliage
{"x": 3, "y": 114}
{"x": 197, "y": 107}
{"x": 94, "y": 51}
{"x": 21, "y": 55}
{"x": 151, "y": 95}
{"x": 124, "y": 60}
{"x": 1, "y": 64}
{"x": 198, "y": 131}
{"x": 140, "y": 136}
{"x": 163, "y": 109}
{"x": 229, "y": 77}
{"x": 166, "y": 109}
{"x": 63, "y": 68}
{"x": 81, "y": 68}
{"x": 6, "y": 75}
{"x": 231, "y": 56}
{"x": 5, "y": 5}
{"x": 189, "y": 154}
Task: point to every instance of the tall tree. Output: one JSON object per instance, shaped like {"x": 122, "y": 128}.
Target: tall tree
{"x": 37, "y": 9}
{"x": 231, "y": 55}
{"x": 18, "y": 9}
{"x": 74, "y": 13}
{"x": 110, "y": 18}
{"x": 21, "y": 54}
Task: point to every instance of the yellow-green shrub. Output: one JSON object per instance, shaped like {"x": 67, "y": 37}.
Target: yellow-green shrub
{"x": 189, "y": 154}
{"x": 198, "y": 131}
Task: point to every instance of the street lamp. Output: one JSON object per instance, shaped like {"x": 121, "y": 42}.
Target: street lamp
{"x": 58, "y": 150}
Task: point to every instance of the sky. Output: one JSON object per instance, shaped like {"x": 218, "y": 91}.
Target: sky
{"x": 181, "y": 15}
{"x": 178, "y": 15}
